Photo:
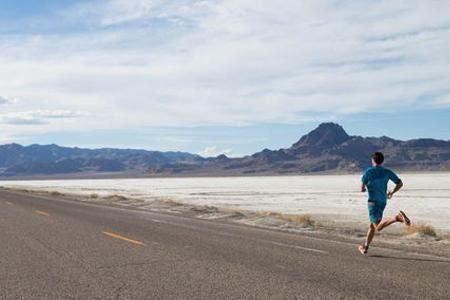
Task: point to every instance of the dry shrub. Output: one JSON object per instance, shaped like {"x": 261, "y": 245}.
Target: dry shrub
{"x": 232, "y": 212}
{"x": 301, "y": 219}
{"x": 421, "y": 229}
{"x": 93, "y": 196}
{"x": 306, "y": 219}
{"x": 273, "y": 215}
{"x": 56, "y": 193}
{"x": 171, "y": 202}
{"x": 116, "y": 197}
{"x": 204, "y": 209}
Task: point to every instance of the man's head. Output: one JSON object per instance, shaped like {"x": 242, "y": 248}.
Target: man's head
{"x": 377, "y": 158}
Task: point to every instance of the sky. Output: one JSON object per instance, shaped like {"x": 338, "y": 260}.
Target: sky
{"x": 212, "y": 77}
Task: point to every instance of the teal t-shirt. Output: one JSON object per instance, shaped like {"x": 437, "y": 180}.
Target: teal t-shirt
{"x": 376, "y": 179}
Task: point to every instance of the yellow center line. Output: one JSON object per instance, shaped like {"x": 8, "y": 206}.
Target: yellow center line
{"x": 120, "y": 237}
{"x": 42, "y": 213}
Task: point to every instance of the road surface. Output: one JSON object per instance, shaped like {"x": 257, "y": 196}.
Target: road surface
{"x": 61, "y": 249}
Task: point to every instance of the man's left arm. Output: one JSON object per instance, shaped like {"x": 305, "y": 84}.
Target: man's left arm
{"x": 363, "y": 187}
{"x": 364, "y": 182}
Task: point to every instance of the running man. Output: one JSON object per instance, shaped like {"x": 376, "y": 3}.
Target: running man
{"x": 375, "y": 181}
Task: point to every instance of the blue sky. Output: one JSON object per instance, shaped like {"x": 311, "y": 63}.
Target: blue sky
{"x": 210, "y": 77}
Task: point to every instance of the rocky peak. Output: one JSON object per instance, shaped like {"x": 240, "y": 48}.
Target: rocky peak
{"x": 325, "y": 136}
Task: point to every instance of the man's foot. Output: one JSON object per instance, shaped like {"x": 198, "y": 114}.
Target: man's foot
{"x": 363, "y": 249}
{"x": 401, "y": 217}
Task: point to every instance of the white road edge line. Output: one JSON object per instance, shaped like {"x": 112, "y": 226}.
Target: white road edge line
{"x": 354, "y": 244}
{"x": 257, "y": 239}
{"x": 300, "y": 247}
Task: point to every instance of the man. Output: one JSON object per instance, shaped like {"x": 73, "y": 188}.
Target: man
{"x": 375, "y": 181}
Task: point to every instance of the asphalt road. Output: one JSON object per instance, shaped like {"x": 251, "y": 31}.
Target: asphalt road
{"x": 61, "y": 249}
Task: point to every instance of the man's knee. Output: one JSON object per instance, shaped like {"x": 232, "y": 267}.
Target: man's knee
{"x": 379, "y": 226}
{"x": 376, "y": 226}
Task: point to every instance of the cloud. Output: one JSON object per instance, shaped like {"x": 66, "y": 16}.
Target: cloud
{"x": 6, "y": 138}
{"x": 6, "y": 100}
{"x": 37, "y": 117}
{"x": 213, "y": 151}
{"x": 192, "y": 63}
{"x": 106, "y": 13}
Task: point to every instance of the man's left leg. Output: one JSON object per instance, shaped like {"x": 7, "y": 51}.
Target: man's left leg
{"x": 375, "y": 217}
{"x": 387, "y": 222}
{"x": 400, "y": 217}
{"x": 369, "y": 237}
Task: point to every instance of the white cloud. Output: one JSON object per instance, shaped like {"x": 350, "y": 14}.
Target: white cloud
{"x": 213, "y": 151}
{"x": 189, "y": 63}
{"x": 114, "y": 12}
{"x": 6, "y": 138}
{"x": 37, "y": 117}
{"x": 7, "y": 100}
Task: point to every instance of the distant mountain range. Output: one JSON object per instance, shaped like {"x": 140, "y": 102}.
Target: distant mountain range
{"x": 326, "y": 149}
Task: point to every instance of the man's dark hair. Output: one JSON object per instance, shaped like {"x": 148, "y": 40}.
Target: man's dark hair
{"x": 378, "y": 158}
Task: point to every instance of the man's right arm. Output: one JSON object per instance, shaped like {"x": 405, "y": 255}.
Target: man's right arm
{"x": 398, "y": 186}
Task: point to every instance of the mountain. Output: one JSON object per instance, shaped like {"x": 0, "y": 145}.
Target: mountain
{"x": 327, "y": 135}
{"x": 52, "y": 159}
{"x": 328, "y": 148}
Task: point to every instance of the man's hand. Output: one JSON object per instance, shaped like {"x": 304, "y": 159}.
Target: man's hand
{"x": 398, "y": 186}
{"x": 363, "y": 188}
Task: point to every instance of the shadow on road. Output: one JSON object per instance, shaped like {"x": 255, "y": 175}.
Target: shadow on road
{"x": 410, "y": 258}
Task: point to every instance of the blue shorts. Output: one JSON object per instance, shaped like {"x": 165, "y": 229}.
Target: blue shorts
{"x": 376, "y": 209}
